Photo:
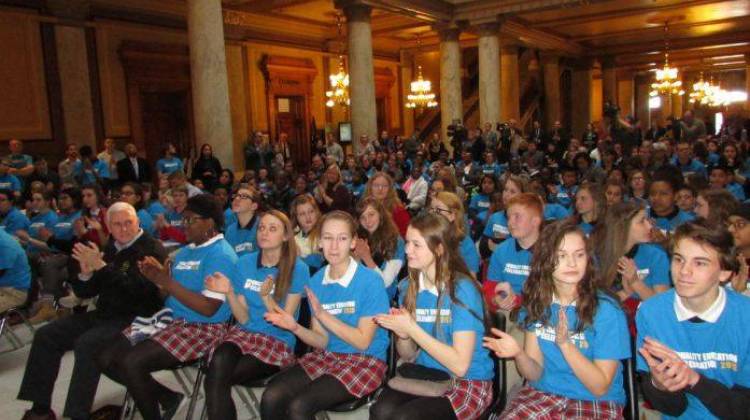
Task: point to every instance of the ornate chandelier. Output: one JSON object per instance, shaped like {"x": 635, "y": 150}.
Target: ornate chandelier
{"x": 702, "y": 91}
{"x": 339, "y": 93}
{"x": 421, "y": 95}
{"x": 667, "y": 82}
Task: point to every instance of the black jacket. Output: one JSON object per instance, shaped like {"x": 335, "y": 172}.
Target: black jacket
{"x": 123, "y": 291}
{"x": 126, "y": 172}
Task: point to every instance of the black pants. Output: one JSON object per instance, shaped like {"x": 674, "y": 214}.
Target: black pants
{"x": 229, "y": 367}
{"x": 86, "y": 334}
{"x": 396, "y": 405}
{"x": 293, "y": 395}
{"x": 132, "y": 366}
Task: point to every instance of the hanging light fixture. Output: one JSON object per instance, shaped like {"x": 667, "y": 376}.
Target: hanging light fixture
{"x": 421, "y": 95}
{"x": 701, "y": 93}
{"x": 667, "y": 82}
{"x": 339, "y": 93}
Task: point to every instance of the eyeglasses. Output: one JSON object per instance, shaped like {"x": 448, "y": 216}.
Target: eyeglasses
{"x": 379, "y": 186}
{"x": 243, "y": 196}
{"x": 438, "y": 210}
{"x": 737, "y": 224}
{"x": 187, "y": 221}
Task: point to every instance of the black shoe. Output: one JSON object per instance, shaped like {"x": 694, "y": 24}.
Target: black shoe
{"x": 171, "y": 407}
{"x": 30, "y": 415}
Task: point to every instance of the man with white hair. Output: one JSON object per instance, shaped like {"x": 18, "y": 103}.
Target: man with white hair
{"x": 123, "y": 293}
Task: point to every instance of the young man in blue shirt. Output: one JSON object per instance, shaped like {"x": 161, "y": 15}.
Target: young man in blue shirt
{"x": 15, "y": 274}
{"x": 693, "y": 345}
{"x": 11, "y": 219}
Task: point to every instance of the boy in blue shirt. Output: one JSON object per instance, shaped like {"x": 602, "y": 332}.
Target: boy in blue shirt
{"x": 8, "y": 181}
{"x": 694, "y": 349}
{"x": 15, "y": 274}
{"x": 564, "y": 193}
{"x": 662, "y": 202}
{"x": 721, "y": 178}
{"x": 11, "y": 219}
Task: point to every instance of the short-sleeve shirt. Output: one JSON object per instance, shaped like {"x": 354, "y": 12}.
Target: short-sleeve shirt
{"x": 63, "y": 227}
{"x": 14, "y": 221}
{"x": 191, "y": 265}
{"x": 510, "y": 263}
{"x": 167, "y": 166}
{"x": 14, "y": 263}
{"x": 652, "y": 265}
{"x": 470, "y": 254}
{"x": 243, "y": 239}
{"x": 606, "y": 339}
{"x": 46, "y": 220}
{"x": 10, "y": 182}
{"x": 248, "y": 279}
{"x": 359, "y": 293}
{"x": 480, "y": 204}
{"x": 670, "y": 222}
{"x": 497, "y": 226}
{"x": 146, "y": 221}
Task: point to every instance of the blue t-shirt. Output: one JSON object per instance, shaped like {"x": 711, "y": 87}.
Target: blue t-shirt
{"x": 63, "y": 228}
{"x": 10, "y": 182}
{"x": 454, "y": 317}
{"x": 248, "y": 279}
{"x": 155, "y": 207}
{"x": 606, "y": 339}
{"x": 587, "y": 227}
{"x": 243, "y": 240}
{"x": 20, "y": 161}
{"x": 14, "y": 221}
{"x": 692, "y": 167}
{"x": 191, "y": 265}
{"x": 470, "y": 254}
{"x": 565, "y": 195}
{"x": 167, "y": 166}
{"x": 146, "y": 221}
{"x": 737, "y": 191}
{"x": 87, "y": 176}
{"x": 510, "y": 263}
{"x": 668, "y": 223}
{"x": 479, "y": 205}
{"x": 493, "y": 169}
{"x": 554, "y": 211}
{"x": 38, "y": 221}
{"x": 399, "y": 255}
{"x": 652, "y": 263}
{"x": 717, "y": 350}
{"x": 14, "y": 263}
{"x": 174, "y": 218}
{"x": 364, "y": 296}
{"x": 497, "y": 226}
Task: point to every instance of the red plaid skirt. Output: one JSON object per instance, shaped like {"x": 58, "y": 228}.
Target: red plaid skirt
{"x": 360, "y": 374}
{"x": 263, "y": 347}
{"x": 470, "y": 399}
{"x": 533, "y": 404}
{"x": 188, "y": 341}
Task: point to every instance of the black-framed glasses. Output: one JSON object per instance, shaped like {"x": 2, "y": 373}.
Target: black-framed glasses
{"x": 737, "y": 224}
{"x": 243, "y": 196}
{"x": 187, "y": 221}
{"x": 438, "y": 210}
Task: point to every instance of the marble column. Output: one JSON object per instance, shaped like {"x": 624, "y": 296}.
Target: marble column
{"x": 677, "y": 106}
{"x": 510, "y": 85}
{"x": 75, "y": 85}
{"x": 642, "y": 111}
{"x": 625, "y": 92}
{"x": 609, "y": 80}
{"x": 406, "y": 63}
{"x": 551, "y": 72}
{"x": 451, "y": 99}
{"x": 208, "y": 73}
{"x": 581, "y": 97}
{"x": 361, "y": 73}
{"x": 489, "y": 74}
{"x": 747, "y": 81}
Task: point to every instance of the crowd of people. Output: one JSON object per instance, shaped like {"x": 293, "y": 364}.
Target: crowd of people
{"x": 595, "y": 249}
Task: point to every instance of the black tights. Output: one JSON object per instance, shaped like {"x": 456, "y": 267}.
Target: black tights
{"x": 132, "y": 366}
{"x": 293, "y": 395}
{"x": 229, "y": 367}
{"x": 396, "y": 405}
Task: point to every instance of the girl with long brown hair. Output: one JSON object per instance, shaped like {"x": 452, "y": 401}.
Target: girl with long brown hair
{"x": 379, "y": 246}
{"x": 575, "y": 336}
{"x": 451, "y": 207}
{"x": 439, "y": 325}
{"x": 590, "y": 206}
{"x": 305, "y": 215}
{"x": 271, "y": 278}
{"x": 381, "y": 187}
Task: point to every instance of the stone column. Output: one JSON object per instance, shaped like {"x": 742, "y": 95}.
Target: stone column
{"x": 581, "y": 97}
{"x": 551, "y": 72}
{"x": 361, "y": 73}
{"x": 451, "y": 99}
{"x": 747, "y": 81}
{"x": 510, "y": 85}
{"x": 208, "y": 73}
{"x": 642, "y": 111}
{"x": 489, "y": 74}
{"x": 406, "y": 61}
{"x": 625, "y": 92}
{"x": 677, "y": 108}
{"x": 609, "y": 80}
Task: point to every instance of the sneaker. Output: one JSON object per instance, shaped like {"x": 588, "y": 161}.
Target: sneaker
{"x": 47, "y": 312}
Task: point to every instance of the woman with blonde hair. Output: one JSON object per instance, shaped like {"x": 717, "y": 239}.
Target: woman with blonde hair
{"x": 331, "y": 193}
{"x": 451, "y": 207}
{"x": 381, "y": 187}
{"x": 305, "y": 215}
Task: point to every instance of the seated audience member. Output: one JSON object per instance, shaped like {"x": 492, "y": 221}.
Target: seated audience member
{"x": 448, "y": 205}
{"x": 685, "y": 199}
{"x": 11, "y": 218}
{"x": 331, "y": 193}
{"x": 382, "y": 188}
{"x": 92, "y": 225}
{"x": 132, "y": 193}
{"x": 241, "y": 230}
{"x": 638, "y": 184}
{"x": 8, "y": 181}
{"x": 305, "y": 215}
{"x": 199, "y": 314}
{"x": 663, "y": 208}
{"x": 170, "y": 226}
{"x": 590, "y": 206}
{"x": 123, "y": 293}
{"x": 21, "y": 164}
{"x": 151, "y": 201}
{"x": 496, "y": 229}
{"x": 179, "y": 179}
{"x": 715, "y": 206}
{"x": 480, "y": 201}
{"x": 270, "y": 278}
{"x": 416, "y": 188}
{"x": 692, "y": 348}
{"x": 737, "y": 223}
{"x": 350, "y": 349}
{"x": 614, "y": 192}
{"x": 379, "y": 247}
{"x": 565, "y": 192}
{"x": 15, "y": 273}
{"x": 575, "y": 336}
{"x": 449, "y": 345}
{"x": 722, "y": 178}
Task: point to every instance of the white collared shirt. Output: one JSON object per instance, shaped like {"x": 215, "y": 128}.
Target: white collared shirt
{"x": 711, "y": 314}
{"x": 423, "y": 285}
{"x": 208, "y": 242}
{"x": 119, "y": 247}
{"x": 345, "y": 279}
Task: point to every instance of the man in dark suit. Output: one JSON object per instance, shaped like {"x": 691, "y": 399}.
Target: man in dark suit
{"x": 133, "y": 168}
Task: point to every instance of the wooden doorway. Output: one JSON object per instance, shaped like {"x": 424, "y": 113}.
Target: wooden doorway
{"x": 165, "y": 120}
{"x": 290, "y": 119}
{"x": 381, "y": 112}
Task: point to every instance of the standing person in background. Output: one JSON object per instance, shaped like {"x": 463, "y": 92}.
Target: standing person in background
{"x": 66, "y": 167}
{"x": 169, "y": 162}
{"x": 21, "y": 164}
{"x": 333, "y": 149}
{"x": 133, "y": 168}
{"x": 110, "y": 155}
{"x": 207, "y": 167}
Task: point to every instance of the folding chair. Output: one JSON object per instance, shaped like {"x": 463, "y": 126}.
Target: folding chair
{"x": 7, "y": 330}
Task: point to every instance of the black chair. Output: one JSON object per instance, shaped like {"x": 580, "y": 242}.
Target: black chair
{"x": 631, "y": 389}
{"x": 183, "y": 378}
{"x": 499, "y": 386}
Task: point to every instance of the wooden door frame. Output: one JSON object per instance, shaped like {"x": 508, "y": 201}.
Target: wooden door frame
{"x": 384, "y": 80}
{"x": 288, "y": 76}
{"x": 154, "y": 68}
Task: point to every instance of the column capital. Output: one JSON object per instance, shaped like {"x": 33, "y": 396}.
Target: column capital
{"x": 549, "y": 57}
{"x": 608, "y": 62}
{"x": 405, "y": 58}
{"x": 70, "y": 9}
{"x": 509, "y": 45}
{"x": 448, "y": 31}
{"x": 581, "y": 63}
{"x": 354, "y": 11}
{"x": 625, "y": 74}
{"x": 488, "y": 28}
